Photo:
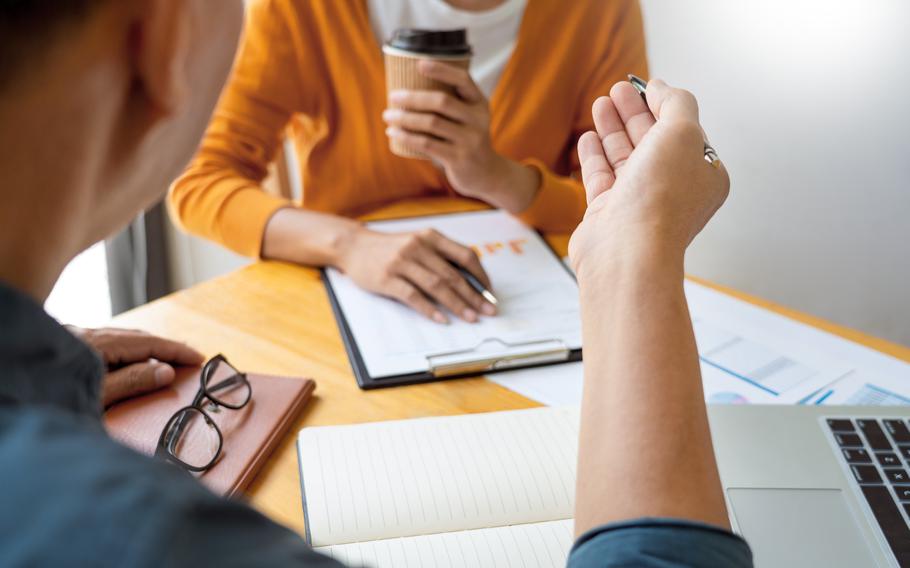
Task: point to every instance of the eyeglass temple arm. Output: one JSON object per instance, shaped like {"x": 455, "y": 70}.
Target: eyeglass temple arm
{"x": 228, "y": 382}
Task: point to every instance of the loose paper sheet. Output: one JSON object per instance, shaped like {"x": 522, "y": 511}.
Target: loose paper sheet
{"x": 748, "y": 356}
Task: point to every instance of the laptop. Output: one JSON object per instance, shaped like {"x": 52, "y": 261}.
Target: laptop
{"x": 817, "y": 486}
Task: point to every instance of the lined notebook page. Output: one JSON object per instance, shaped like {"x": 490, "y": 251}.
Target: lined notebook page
{"x": 434, "y": 475}
{"x": 541, "y": 545}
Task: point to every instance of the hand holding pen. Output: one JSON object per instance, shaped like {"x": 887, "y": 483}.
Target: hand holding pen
{"x": 423, "y": 270}
{"x": 476, "y": 284}
{"x": 641, "y": 86}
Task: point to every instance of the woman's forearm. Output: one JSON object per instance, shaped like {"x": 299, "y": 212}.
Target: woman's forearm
{"x": 645, "y": 447}
{"x": 511, "y": 186}
{"x": 308, "y": 237}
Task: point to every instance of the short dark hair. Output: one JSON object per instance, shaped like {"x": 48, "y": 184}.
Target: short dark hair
{"x": 27, "y": 27}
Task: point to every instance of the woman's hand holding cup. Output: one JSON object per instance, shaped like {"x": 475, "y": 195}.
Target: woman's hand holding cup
{"x": 454, "y": 130}
{"x": 436, "y": 111}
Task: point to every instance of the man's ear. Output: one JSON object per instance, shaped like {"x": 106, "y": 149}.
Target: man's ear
{"x": 160, "y": 51}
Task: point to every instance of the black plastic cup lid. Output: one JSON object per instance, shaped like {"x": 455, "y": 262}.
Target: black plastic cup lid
{"x": 434, "y": 42}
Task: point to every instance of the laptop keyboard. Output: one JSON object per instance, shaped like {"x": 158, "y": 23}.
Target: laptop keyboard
{"x": 878, "y": 454}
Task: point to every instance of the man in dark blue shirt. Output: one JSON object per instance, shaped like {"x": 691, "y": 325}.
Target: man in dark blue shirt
{"x": 102, "y": 102}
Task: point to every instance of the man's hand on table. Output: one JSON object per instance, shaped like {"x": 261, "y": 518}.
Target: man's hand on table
{"x": 136, "y": 362}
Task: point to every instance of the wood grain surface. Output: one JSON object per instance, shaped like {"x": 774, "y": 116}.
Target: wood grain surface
{"x": 274, "y": 318}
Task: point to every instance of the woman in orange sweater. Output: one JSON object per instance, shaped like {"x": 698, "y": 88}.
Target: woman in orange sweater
{"x": 507, "y": 138}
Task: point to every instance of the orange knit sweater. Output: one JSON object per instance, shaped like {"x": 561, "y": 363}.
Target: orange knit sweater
{"x": 317, "y": 61}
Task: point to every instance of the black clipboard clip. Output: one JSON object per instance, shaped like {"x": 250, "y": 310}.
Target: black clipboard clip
{"x": 494, "y": 354}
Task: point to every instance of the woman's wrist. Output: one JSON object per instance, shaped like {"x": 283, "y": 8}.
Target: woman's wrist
{"x": 511, "y": 185}
{"x": 308, "y": 237}
{"x": 346, "y": 242}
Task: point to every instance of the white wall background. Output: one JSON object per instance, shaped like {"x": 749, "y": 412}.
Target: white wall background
{"x": 808, "y": 104}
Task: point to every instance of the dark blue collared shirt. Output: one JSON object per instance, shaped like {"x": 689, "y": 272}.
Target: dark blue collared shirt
{"x": 71, "y": 496}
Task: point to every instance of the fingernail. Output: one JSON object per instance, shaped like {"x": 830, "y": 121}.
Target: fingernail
{"x": 397, "y": 95}
{"x": 391, "y": 131}
{"x": 164, "y": 375}
{"x": 439, "y": 317}
{"x": 488, "y": 309}
{"x": 469, "y": 314}
{"x": 390, "y": 114}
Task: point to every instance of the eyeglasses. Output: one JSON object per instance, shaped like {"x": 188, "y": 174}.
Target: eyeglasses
{"x": 191, "y": 439}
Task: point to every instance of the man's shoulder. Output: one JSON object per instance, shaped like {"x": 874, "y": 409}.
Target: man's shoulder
{"x": 72, "y": 495}
{"x": 72, "y": 492}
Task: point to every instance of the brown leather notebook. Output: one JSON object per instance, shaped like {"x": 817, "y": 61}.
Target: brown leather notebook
{"x": 250, "y": 434}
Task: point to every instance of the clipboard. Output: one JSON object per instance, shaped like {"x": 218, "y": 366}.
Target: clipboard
{"x": 490, "y": 355}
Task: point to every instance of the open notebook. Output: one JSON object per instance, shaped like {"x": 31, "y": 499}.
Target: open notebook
{"x": 491, "y": 489}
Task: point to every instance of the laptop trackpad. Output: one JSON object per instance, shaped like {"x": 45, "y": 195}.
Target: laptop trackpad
{"x": 799, "y": 527}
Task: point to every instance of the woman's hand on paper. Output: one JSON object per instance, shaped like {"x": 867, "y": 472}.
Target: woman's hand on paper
{"x": 414, "y": 268}
{"x": 649, "y": 189}
{"x": 455, "y": 132}
{"x": 136, "y": 362}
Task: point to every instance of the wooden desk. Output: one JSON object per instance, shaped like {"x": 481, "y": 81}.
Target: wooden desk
{"x": 275, "y": 318}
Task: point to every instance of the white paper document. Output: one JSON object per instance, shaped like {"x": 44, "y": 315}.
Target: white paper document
{"x": 538, "y": 300}
{"x": 860, "y": 375}
{"x": 750, "y": 355}
{"x": 865, "y": 388}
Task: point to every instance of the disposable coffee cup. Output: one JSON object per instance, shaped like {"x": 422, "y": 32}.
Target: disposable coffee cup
{"x": 402, "y": 52}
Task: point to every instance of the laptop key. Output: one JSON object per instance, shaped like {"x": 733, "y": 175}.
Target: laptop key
{"x": 890, "y": 521}
{"x": 888, "y": 459}
{"x": 866, "y": 474}
{"x": 902, "y": 492}
{"x": 854, "y": 455}
{"x": 898, "y": 430}
{"x": 897, "y": 476}
{"x": 848, "y": 440}
{"x": 840, "y": 425}
{"x": 905, "y": 451}
{"x": 874, "y": 434}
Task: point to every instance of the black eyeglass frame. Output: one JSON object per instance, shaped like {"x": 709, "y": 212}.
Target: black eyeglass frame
{"x": 173, "y": 429}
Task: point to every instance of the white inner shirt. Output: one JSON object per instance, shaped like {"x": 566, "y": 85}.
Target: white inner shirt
{"x": 491, "y": 33}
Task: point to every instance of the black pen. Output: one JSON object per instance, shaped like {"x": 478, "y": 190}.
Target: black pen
{"x": 475, "y": 283}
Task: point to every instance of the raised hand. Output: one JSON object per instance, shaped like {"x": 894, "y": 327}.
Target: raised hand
{"x": 650, "y": 191}
{"x": 648, "y": 185}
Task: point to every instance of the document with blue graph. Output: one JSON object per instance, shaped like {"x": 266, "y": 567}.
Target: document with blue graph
{"x": 753, "y": 355}
{"x": 750, "y": 355}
